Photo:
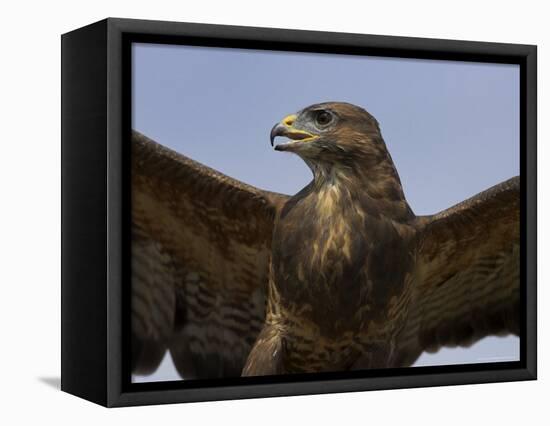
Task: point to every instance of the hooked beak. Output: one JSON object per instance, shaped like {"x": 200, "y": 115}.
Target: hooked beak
{"x": 285, "y": 128}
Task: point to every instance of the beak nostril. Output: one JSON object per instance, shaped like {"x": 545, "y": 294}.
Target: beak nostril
{"x": 289, "y": 120}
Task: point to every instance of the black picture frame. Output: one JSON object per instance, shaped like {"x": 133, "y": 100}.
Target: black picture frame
{"x": 95, "y": 210}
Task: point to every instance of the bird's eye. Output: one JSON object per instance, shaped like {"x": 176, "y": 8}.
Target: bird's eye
{"x": 322, "y": 118}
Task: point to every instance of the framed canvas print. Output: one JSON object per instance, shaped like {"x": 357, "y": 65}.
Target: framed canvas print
{"x": 251, "y": 212}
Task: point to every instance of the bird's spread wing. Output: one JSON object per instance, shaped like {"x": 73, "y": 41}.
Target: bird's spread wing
{"x": 467, "y": 277}
{"x": 200, "y": 255}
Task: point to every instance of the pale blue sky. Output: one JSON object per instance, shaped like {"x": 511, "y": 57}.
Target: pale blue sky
{"x": 452, "y": 127}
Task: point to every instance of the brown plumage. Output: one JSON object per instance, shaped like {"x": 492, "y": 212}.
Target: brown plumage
{"x": 235, "y": 280}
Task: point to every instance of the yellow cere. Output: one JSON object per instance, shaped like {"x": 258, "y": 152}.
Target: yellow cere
{"x": 289, "y": 120}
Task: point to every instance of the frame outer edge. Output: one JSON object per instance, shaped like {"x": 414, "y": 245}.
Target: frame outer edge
{"x": 83, "y": 233}
{"x": 397, "y": 43}
{"x": 531, "y": 193}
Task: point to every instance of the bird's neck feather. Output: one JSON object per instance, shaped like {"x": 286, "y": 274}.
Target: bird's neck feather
{"x": 364, "y": 181}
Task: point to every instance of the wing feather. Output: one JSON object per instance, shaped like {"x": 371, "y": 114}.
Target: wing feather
{"x": 467, "y": 276}
{"x": 200, "y": 254}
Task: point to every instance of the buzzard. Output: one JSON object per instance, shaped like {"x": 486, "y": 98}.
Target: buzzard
{"x": 234, "y": 280}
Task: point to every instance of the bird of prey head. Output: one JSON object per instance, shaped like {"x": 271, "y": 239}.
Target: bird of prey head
{"x": 331, "y": 133}
{"x": 342, "y": 142}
